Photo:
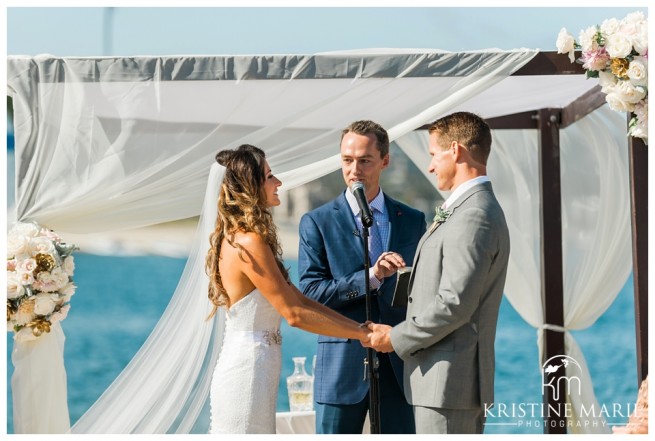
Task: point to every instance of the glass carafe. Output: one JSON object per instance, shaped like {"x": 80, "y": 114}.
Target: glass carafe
{"x": 300, "y": 386}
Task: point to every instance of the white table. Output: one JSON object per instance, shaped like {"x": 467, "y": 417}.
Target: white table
{"x": 302, "y": 422}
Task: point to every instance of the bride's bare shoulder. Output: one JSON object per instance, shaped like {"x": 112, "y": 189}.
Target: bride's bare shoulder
{"x": 249, "y": 241}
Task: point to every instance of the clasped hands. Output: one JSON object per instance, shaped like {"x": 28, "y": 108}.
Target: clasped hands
{"x": 379, "y": 338}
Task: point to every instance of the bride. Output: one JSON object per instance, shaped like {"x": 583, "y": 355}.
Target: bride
{"x": 247, "y": 278}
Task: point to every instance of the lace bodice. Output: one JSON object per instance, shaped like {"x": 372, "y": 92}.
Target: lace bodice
{"x": 252, "y": 313}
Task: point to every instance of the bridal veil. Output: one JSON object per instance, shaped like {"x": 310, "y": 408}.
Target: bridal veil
{"x": 165, "y": 387}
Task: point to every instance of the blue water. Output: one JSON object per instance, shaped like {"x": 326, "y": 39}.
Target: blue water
{"x": 120, "y": 299}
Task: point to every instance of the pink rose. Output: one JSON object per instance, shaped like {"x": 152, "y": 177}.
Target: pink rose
{"x": 50, "y": 234}
{"x": 595, "y": 59}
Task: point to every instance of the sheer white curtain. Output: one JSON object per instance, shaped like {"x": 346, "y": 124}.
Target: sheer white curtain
{"x": 111, "y": 143}
{"x": 595, "y": 224}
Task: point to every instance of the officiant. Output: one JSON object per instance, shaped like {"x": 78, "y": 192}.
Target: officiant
{"x": 331, "y": 267}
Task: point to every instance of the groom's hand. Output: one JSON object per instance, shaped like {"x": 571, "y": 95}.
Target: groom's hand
{"x": 380, "y": 338}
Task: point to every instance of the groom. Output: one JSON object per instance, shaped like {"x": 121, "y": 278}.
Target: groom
{"x": 447, "y": 339}
{"x": 331, "y": 267}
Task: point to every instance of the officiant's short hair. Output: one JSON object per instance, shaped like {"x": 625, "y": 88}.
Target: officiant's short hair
{"x": 368, "y": 127}
{"x": 466, "y": 128}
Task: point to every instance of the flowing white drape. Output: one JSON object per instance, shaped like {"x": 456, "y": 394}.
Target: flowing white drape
{"x": 110, "y": 143}
{"x": 104, "y": 144}
{"x": 40, "y": 374}
{"x": 595, "y": 226}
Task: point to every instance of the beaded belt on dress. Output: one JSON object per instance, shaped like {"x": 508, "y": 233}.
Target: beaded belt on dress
{"x": 270, "y": 337}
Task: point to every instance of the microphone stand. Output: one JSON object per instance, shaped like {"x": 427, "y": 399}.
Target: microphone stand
{"x": 371, "y": 363}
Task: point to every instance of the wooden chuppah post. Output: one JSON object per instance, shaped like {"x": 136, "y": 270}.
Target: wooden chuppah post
{"x": 639, "y": 217}
{"x": 552, "y": 272}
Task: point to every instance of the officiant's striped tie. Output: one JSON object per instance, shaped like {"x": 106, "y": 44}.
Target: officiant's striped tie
{"x": 375, "y": 247}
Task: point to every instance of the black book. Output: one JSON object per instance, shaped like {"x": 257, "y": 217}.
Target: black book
{"x": 401, "y": 291}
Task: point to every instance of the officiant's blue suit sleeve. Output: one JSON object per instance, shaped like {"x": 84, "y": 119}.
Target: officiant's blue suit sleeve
{"x": 321, "y": 245}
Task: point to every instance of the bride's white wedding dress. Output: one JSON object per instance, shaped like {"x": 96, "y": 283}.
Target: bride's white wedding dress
{"x": 245, "y": 381}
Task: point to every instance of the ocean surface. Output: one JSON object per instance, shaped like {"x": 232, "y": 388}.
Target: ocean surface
{"x": 120, "y": 299}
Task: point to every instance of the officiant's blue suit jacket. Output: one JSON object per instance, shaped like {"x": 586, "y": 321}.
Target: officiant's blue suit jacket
{"x": 331, "y": 267}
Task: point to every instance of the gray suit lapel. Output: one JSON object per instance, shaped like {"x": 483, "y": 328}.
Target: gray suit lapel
{"x": 485, "y": 186}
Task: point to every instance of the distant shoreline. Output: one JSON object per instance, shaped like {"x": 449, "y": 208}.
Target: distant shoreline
{"x": 170, "y": 239}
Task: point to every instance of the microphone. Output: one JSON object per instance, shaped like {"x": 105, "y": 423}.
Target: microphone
{"x": 359, "y": 193}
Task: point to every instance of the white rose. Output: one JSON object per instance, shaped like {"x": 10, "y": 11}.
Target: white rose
{"x": 635, "y": 17}
{"x": 629, "y": 92}
{"x": 641, "y": 110}
{"x": 640, "y": 130}
{"x": 26, "y": 278}
{"x": 67, "y": 291}
{"x": 26, "y": 266}
{"x": 640, "y": 40}
{"x": 68, "y": 265}
{"x": 41, "y": 245}
{"x": 618, "y": 46}
{"x": 566, "y": 44}
{"x": 617, "y": 103}
{"x": 44, "y": 303}
{"x": 28, "y": 229}
{"x": 638, "y": 71}
{"x": 61, "y": 314}
{"x": 15, "y": 288}
{"x": 609, "y": 27}
{"x": 587, "y": 39}
{"x": 631, "y": 24}
{"x": 606, "y": 80}
{"x": 17, "y": 245}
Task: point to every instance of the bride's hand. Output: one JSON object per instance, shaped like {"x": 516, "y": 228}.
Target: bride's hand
{"x": 366, "y": 342}
{"x": 366, "y": 326}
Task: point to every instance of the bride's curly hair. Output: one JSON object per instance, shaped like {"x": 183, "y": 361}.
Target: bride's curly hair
{"x": 242, "y": 207}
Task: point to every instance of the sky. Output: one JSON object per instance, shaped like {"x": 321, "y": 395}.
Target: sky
{"x": 133, "y": 27}
{"x": 124, "y": 31}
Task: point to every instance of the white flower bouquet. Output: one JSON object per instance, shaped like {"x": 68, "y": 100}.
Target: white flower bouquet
{"x": 39, "y": 280}
{"x": 616, "y": 52}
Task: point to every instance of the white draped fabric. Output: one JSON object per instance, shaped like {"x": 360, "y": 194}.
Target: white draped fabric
{"x": 40, "y": 375}
{"x": 111, "y": 143}
{"x": 596, "y": 249}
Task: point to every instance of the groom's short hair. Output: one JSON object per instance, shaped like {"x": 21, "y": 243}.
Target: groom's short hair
{"x": 468, "y": 129}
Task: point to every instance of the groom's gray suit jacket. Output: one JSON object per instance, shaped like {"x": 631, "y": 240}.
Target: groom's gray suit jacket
{"x": 447, "y": 340}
